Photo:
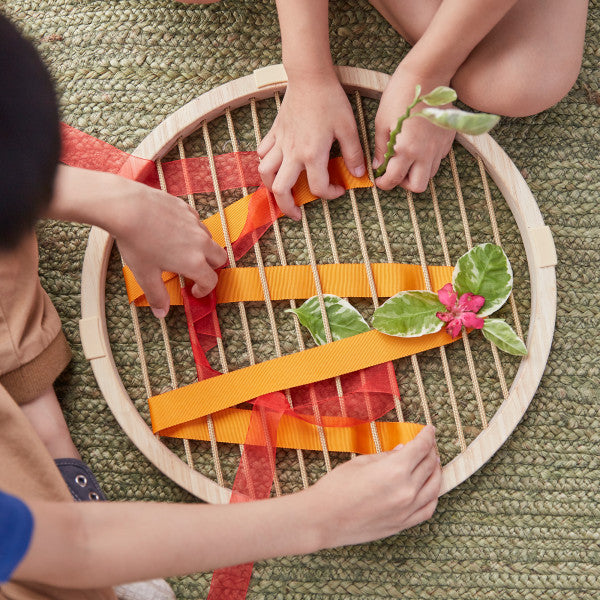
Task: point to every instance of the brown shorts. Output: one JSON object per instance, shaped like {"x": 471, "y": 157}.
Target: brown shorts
{"x": 33, "y": 349}
{"x": 33, "y": 352}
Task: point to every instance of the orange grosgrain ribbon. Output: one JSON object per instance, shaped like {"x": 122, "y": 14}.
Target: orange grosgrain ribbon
{"x": 347, "y": 280}
{"x": 301, "y": 368}
{"x": 343, "y": 435}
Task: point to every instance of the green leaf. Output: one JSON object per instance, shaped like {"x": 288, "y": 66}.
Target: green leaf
{"x": 344, "y": 320}
{"x": 485, "y": 271}
{"x": 417, "y": 95}
{"x": 459, "y": 120}
{"x": 409, "y": 314}
{"x": 499, "y": 332}
{"x": 441, "y": 95}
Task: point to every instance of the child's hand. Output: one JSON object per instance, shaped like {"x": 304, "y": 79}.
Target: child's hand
{"x": 378, "y": 495}
{"x": 163, "y": 233}
{"x": 420, "y": 146}
{"x": 155, "y": 231}
{"x": 311, "y": 117}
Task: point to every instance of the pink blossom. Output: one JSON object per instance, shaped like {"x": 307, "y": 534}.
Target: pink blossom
{"x": 460, "y": 311}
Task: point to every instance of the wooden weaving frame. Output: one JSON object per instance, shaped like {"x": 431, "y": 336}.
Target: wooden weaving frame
{"x": 536, "y": 238}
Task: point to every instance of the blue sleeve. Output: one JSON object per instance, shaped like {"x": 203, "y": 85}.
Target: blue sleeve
{"x": 16, "y": 528}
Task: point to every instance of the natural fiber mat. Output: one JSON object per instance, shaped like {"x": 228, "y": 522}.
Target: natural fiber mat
{"x": 527, "y": 524}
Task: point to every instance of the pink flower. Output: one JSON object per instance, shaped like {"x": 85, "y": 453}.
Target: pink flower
{"x": 461, "y": 311}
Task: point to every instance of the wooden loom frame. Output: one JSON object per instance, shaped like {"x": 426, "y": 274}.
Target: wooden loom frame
{"x": 536, "y": 237}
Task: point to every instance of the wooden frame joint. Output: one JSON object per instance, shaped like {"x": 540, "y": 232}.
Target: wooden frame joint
{"x": 543, "y": 246}
{"x": 271, "y": 75}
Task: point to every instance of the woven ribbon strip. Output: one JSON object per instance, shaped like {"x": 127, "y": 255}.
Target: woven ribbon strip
{"x": 347, "y": 280}
{"x": 292, "y": 370}
{"x": 187, "y": 176}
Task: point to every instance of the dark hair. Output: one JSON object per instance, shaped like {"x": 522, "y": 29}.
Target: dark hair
{"x": 29, "y": 136}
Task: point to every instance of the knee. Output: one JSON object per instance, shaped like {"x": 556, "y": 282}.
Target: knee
{"x": 517, "y": 89}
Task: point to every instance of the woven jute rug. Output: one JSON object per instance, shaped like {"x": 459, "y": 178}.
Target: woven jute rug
{"x": 527, "y": 524}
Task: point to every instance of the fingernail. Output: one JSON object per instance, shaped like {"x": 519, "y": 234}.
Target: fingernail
{"x": 376, "y": 162}
{"x": 160, "y": 313}
{"x": 358, "y": 171}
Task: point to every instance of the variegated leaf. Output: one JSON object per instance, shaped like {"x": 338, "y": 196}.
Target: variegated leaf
{"x": 344, "y": 320}
{"x": 459, "y": 120}
{"x": 409, "y": 314}
{"x": 501, "y": 333}
{"x": 485, "y": 271}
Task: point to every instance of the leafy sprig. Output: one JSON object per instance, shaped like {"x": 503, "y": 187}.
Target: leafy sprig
{"x": 481, "y": 284}
{"x": 449, "y": 118}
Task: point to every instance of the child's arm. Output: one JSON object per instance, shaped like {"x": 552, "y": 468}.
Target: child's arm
{"x": 154, "y": 230}
{"x": 315, "y": 110}
{"x": 88, "y": 545}
{"x": 456, "y": 29}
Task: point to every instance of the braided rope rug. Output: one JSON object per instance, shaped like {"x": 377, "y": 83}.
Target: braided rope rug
{"x": 526, "y": 525}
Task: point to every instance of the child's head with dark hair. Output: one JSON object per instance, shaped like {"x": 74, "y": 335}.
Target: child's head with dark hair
{"x": 29, "y": 136}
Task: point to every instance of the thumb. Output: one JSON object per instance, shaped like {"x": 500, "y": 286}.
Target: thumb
{"x": 352, "y": 152}
{"x": 382, "y": 136}
{"x": 155, "y": 291}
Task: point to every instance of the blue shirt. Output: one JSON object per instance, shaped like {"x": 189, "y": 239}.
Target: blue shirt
{"x": 16, "y": 528}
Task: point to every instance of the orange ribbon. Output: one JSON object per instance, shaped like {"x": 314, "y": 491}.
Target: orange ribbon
{"x": 348, "y": 280}
{"x": 342, "y": 435}
{"x": 350, "y": 354}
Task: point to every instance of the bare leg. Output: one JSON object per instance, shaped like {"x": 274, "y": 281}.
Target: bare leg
{"x": 46, "y": 417}
{"x": 409, "y": 18}
{"x": 527, "y": 63}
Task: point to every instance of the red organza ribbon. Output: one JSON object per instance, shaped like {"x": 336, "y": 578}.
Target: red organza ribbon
{"x": 187, "y": 176}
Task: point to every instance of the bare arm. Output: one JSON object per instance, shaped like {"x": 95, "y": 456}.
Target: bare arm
{"x": 154, "y": 230}
{"x": 314, "y": 113}
{"x": 88, "y": 545}
{"x": 457, "y": 27}
{"x": 305, "y": 39}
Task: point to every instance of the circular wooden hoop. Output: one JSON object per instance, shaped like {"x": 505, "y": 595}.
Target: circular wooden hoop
{"x": 237, "y": 93}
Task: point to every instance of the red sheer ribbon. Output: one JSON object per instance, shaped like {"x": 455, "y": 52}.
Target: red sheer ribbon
{"x": 187, "y": 176}
{"x": 253, "y": 481}
{"x": 366, "y": 395}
